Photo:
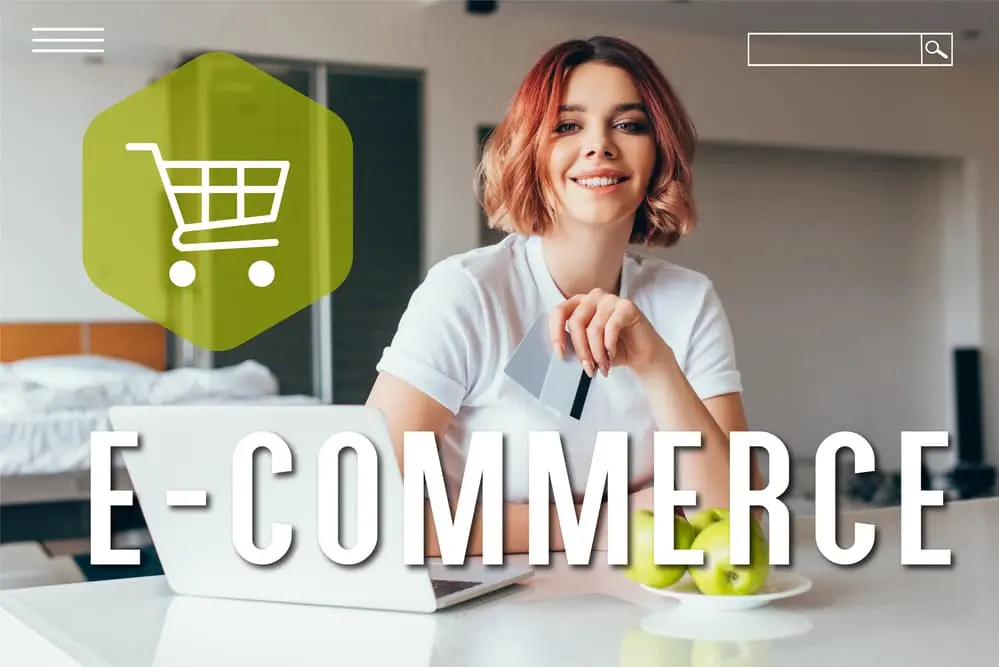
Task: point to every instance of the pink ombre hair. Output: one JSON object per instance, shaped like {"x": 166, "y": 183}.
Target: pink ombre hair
{"x": 513, "y": 183}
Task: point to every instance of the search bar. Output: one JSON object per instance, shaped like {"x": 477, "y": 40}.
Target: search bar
{"x": 850, "y": 49}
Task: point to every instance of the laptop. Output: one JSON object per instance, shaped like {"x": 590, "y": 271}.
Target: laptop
{"x": 189, "y": 449}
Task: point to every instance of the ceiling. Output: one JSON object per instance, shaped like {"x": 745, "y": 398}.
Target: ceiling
{"x": 730, "y": 18}
{"x": 734, "y": 18}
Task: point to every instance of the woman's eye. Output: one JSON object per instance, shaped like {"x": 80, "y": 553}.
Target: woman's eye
{"x": 632, "y": 126}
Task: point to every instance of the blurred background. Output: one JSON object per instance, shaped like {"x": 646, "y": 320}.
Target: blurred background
{"x": 846, "y": 213}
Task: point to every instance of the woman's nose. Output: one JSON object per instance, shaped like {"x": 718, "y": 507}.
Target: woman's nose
{"x": 604, "y": 151}
{"x": 599, "y": 145}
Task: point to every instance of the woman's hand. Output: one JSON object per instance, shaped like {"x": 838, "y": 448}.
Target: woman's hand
{"x": 607, "y": 331}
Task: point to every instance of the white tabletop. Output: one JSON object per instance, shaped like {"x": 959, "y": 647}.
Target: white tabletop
{"x": 878, "y": 613}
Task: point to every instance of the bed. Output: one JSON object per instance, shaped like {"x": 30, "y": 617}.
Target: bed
{"x": 57, "y": 382}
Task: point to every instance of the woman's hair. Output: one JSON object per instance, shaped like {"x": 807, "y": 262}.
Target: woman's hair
{"x": 513, "y": 182}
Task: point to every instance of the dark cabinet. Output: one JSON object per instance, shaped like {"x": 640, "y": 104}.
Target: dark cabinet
{"x": 335, "y": 344}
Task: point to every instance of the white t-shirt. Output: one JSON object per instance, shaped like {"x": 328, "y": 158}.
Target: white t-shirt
{"x": 466, "y": 319}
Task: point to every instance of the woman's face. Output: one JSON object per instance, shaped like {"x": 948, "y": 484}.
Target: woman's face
{"x": 604, "y": 149}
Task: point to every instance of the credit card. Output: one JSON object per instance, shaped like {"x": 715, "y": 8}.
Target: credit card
{"x": 559, "y": 383}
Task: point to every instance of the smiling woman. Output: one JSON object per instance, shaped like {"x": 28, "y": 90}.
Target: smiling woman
{"x": 614, "y": 89}
{"x": 594, "y": 154}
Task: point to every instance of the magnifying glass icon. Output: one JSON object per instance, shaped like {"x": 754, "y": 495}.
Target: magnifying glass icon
{"x": 933, "y": 48}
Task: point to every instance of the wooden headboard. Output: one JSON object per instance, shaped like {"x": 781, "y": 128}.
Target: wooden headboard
{"x": 141, "y": 342}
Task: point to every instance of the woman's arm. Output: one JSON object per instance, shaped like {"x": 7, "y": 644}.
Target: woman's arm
{"x": 408, "y": 409}
{"x": 608, "y": 331}
{"x": 676, "y": 407}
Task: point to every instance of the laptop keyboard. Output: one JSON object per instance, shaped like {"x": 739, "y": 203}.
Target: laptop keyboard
{"x": 444, "y": 587}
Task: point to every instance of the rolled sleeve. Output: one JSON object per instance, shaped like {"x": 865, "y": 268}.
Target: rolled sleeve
{"x": 421, "y": 373}
{"x": 711, "y": 366}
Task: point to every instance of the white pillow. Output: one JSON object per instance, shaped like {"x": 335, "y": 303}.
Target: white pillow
{"x": 76, "y": 371}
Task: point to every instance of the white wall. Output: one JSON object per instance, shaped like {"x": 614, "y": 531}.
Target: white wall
{"x": 829, "y": 267}
{"x": 473, "y": 64}
{"x": 46, "y": 108}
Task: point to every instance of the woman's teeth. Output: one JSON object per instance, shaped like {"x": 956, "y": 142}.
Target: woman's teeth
{"x": 597, "y": 182}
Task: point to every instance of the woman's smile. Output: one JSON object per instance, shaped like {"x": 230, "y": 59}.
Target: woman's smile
{"x": 600, "y": 181}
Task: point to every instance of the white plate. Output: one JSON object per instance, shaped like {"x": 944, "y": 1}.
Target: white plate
{"x": 780, "y": 585}
{"x": 757, "y": 625}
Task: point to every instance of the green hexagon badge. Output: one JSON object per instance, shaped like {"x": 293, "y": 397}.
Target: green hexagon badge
{"x": 217, "y": 201}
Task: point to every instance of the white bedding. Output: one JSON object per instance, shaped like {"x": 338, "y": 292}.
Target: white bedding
{"x": 48, "y": 408}
{"x": 59, "y": 442}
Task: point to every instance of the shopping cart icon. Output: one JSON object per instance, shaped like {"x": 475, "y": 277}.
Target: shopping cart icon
{"x": 182, "y": 273}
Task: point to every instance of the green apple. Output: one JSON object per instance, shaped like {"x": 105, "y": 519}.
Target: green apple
{"x": 706, "y": 517}
{"x": 728, "y": 654}
{"x": 642, "y": 566}
{"x": 717, "y": 576}
{"x": 644, "y": 649}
